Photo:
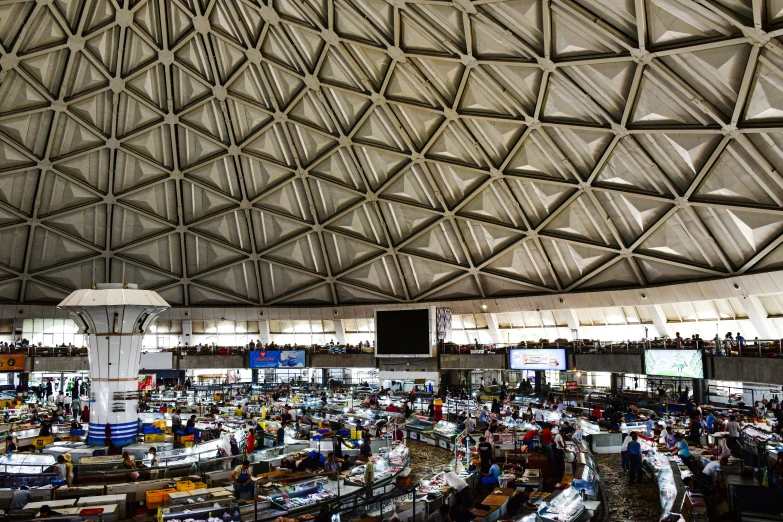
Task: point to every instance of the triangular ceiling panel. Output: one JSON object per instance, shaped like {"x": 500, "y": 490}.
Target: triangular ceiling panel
{"x": 344, "y": 252}
{"x": 523, "y": 262}
{"x": 239, "y": 279}
{"x": 485, "y": 241}
{"x": 162, "y": 253}
{"x": 381, "y": 275}
{"x": 618, "y": 275}
{"x": 422, "y": 276}
{"x": 270, "y": 229}
{"x": 362, "y": 222}
{"x": 277, "y": 280}
{"x": 303, "y": 252}
{"x": 682, "y": 239}
{"x": 741, "y": 234}
{"x": 572, "y": 261}
{"x": 582, "y": 220}
{"x": 203, "y": 254}
{"x": 656, "y": 272}
{"x": 439, "y": 242}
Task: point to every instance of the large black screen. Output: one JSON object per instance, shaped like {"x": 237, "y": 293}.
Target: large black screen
{"x": 403, "y": 332}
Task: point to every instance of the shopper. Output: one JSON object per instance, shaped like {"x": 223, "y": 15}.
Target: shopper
{"x": 369, "y": 477}
{"x": 559, "y": 452}
{"x": 624, "y": 462}
{"x": 635, "y": 458}
{"x": 485, "y": 450}
{"x": 733, "y": 429}
{"x": 250, "y": 444}
{"x": 695, "y": 431}
{"x": 546, "y": 439}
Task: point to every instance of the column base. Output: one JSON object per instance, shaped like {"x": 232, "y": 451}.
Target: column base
{"x": 122, "y": 434}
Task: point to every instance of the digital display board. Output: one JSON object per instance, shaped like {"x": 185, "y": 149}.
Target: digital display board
{"x": 403, "y": 332}
{"x": 277, "y": 359}
{"x": 544, "y": 359}
{"x": 674, "y": 363}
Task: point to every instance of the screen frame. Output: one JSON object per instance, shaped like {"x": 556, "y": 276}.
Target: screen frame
{"x": 430, "y": 333}
{"x": 561, "y": 350}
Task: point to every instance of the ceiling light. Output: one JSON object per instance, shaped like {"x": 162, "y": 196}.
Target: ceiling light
{"x": 484, "y": 306}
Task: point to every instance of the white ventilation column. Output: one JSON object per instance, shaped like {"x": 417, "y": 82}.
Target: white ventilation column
{"x": 113, "y": 318}
{"x": 187, "y": 332}
{"x": 573, "y": 323}
{"x": 494, "y": 329}
{"x": 758, "y": 317}
{"x": 263, "y": 332}
{"x": 659, "y": 321}
{"x": 339, "y": 331}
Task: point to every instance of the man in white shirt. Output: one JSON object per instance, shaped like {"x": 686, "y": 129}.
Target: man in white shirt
{"x": 626, "y": 463}
{"x": 711, "y": 470}
{"x": 559, "y": 451}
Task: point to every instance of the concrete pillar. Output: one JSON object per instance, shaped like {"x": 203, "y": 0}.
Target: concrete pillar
{"x": 759, "y": 318}
{"x": 659, "y": 321}
{"x": 339, "y": 331}
{"x": 573, "y": 323}
{"x": 494, "y": 330}
{"x": 187, "y": 332}
{"x": 263, "y": 332}
{"x": 114, "y": 318}
{"x": 615, "y": 383}
{"x": 254, "y": 376}
{"x": 540, "y": 382}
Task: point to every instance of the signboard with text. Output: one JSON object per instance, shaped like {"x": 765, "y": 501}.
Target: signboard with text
{"x": 572, "y": 385}
{"x": 277, "y": 359}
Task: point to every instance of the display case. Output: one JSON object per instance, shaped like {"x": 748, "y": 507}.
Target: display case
{"x": 670, "y": 488}
{"x": 398, "y": 455}
{"x": 419, "y": 429}
{"x": 588, "y": 428}
{"x": 266, "y": 460}
{"x": 446, "y": 433}
{"x": 225, "y": 510}
{"x": 25, "y": 463}
{"x": 304, "y": 495}
{"x": 384, "y": 472}
{"x": 563, "y": 506}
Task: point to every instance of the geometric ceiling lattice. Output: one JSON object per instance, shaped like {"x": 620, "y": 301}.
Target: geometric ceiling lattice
{"x": 366, "y": 151}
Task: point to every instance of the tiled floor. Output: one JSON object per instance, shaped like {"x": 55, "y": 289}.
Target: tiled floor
{"x": 427, "y": 460}
{"x": 627, "y": 502}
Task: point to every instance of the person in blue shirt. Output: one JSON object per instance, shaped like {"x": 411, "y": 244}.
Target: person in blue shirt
{"x": 650, "y": 425}
{"x": 635, "y": 458}
{"x": 491, "y": 477}
{"x": 681, "y": 449}
{"x": 483, "y": 417}
{"x": 710, "y": 421}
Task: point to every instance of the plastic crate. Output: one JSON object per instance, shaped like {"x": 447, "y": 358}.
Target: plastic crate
{"x": 154, "y": 498}
{"x": 185, "y": 485}
{"x": 166, "y": 492}
{"x": 200, "y": 485}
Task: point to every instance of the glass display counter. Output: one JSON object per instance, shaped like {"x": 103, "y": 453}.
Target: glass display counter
{"x": 384, "y": 472}
{"x": 225, "y": 510}
{"x": 445, "y": 433}
{"x": 422, "y": 430}
{"x": 303, "y": 495}
{"x": 269, "y": 459}
{"x": 565, "y": 506}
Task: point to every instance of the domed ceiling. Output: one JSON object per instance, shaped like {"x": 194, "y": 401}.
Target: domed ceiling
{"x": 349, "y": 151}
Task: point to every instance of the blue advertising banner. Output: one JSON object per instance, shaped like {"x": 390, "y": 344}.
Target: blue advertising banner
{"x": 278, "y": 359}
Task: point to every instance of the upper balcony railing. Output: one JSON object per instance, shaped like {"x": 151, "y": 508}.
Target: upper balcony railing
{"x": 726, "y": 347}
